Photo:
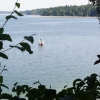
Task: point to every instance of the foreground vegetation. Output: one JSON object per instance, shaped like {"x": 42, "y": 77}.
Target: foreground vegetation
{"x": 86, "y": 89}
{"x": 83, "y": 10}
{"x": 82, "y": 89}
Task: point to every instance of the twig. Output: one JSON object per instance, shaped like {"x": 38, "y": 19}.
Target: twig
{"x": 10, "y": 14}
{"x": 16, "y": 44}
{"x": 12, "y": 47}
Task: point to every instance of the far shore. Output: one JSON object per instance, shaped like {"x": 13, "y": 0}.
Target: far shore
{"x": 65, "y": 16}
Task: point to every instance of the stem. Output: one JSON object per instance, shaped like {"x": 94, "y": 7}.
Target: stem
{"x": 2, "y": 70}
{"x": 10, "y": 14}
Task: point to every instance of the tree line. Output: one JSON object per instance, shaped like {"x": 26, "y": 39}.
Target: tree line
{"x": 83, "y": 10}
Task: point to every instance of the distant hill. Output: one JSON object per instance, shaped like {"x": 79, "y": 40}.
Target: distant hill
{"x": 83, "y": 10}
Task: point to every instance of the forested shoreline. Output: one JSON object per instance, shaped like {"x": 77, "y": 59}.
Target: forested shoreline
{"x": 83, "y": 10}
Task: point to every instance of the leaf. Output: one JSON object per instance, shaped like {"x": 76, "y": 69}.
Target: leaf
{"x": 83, "y": 96}
{"x": 98, "y": 56}
{"x": 4, "y": 86}
{"x": 75, "y": 81}
{"x": 25, "y": 86}
{"x": 1, "y": 30}
{"x": 1, "y": 79}
{"x": 11, "y": 46}
{"x": 96, "y": 62}
{"x": 5, "y": 69}
{"x": 94, "y": 74}
{"x": 17, "y": 4}
{"x": 10, "y": 16}
{"x": 5, "y": 37}
{"x": 19, "y": 14}
{"x": 1, "y": 45}
{"x": 13, "y": 89}
{"x": 3, "y": 55}
{"x": 6, "y": 96}
{"x": 26, "y": 46}
{"x": 29, "y": 38}
{"x": 65, "y": 86}
{"x": 20, "y": 48}
{"x": 15, "y": 83}
{"x": 70, "y": 90}
{"x": 19, "y": 90}
{"x": 35, "y": 82}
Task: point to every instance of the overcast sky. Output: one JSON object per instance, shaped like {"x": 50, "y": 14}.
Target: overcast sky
{"x": 8, "y": 5}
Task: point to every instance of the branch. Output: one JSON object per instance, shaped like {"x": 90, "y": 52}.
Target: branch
{"x": 2, "y": 69}
{"x": 10, "y": 14}
{"x": 16, "y": 44}
{"x": 4, "y": 25}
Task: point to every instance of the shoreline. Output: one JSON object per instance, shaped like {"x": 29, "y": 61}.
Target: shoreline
{"x": 39, "y": 16}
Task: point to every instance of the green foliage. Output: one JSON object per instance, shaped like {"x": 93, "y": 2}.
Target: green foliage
{"x": 27, "y": 47}
{"x": 86, "y": 89}
{"x": 18, "y": 47}
{"x": 1, "y": 30}
{"x": 3, "y": 55}
{"x": 24, "y": 45}
{"x": 6, "y": 96}
{"x": 5, "y": 37}
{"x": 83, "y": 10}
{"x": 10, "y": 16}
{"x": 17, "y": 4}
{"x": 29, "y": 38}
{"x": 97, "y": 61}
{"x": 1, "y": 79}
{"x": 1, "y": 45}
{"x": 18, "y": 13}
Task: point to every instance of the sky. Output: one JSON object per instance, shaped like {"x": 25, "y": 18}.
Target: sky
{"x": 8, "y": 5}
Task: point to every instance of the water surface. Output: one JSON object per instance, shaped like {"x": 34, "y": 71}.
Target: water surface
{"x": 69, "y": 50}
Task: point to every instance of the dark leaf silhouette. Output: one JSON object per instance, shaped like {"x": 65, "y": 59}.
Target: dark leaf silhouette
{"x": 96, "y": 62}
{"x": 75, "y": 81}
{"x": 3, "y": 55}
{"x": 98, "y": 56}
{"x": 94, "y": 75}
{"x": 1, "y": 79}
{"x": 15, "y": 83}
{"x": 5, "y": 37}
{"x": 5, "y": 69}
{"x": 1, "y": 30}
{"x": 19, "y": 14}
{"x": 35, "y": 82}
{"x": 26, "y": 46}
{"x": 1, "y": 45}
{"x": 29, "y": 38}
{"x": 65, "y": 86}
{"x": 4, "y": 86}
{"x": 10, "y": 16}
{"x": 6, "y": 96}
{"x": 20, "y": 48}
{"x": 17, "y": 4}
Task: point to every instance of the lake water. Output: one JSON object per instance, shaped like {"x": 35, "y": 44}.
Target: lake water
{"x": 69, "y": 50}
